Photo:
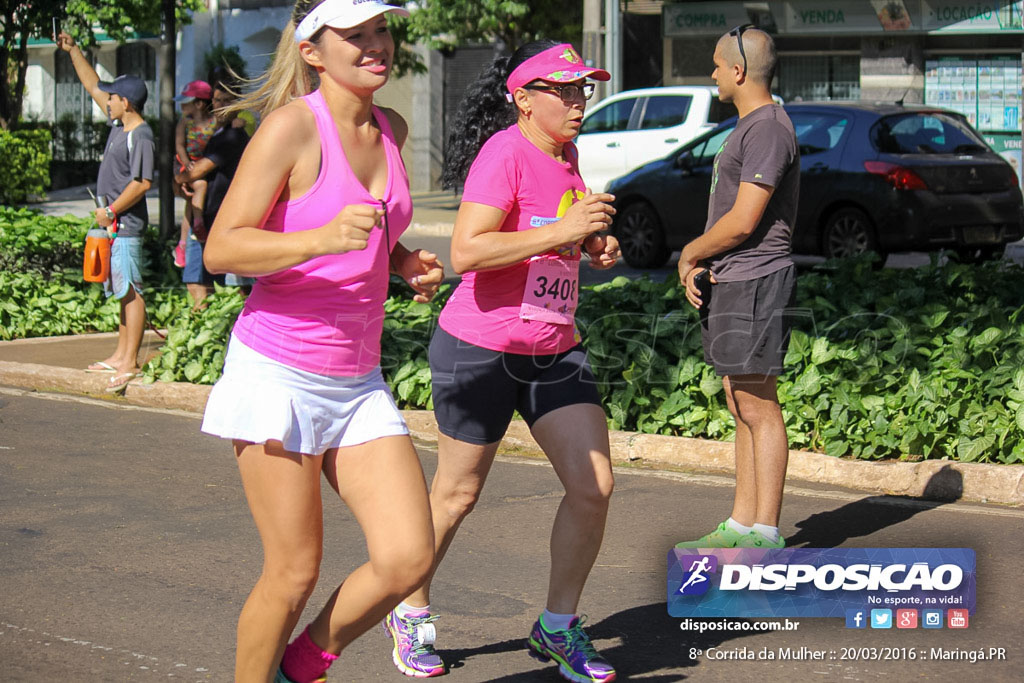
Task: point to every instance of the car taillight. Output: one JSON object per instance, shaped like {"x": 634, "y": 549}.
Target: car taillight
{"x": 900, "y": 177}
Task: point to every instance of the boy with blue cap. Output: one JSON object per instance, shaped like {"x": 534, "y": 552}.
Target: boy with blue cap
{"x": 125, "y": 175}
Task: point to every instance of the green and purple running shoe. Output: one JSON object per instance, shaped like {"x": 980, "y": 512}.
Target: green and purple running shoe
{"x": 577, "y": 659}
{"x": 414, "y": 637}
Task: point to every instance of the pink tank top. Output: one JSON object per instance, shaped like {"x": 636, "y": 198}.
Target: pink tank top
{"x": 326, "y": 315}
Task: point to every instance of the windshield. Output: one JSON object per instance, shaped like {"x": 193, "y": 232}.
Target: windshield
{"x": 926, "y": 133}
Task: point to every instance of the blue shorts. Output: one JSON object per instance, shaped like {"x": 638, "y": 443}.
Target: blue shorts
{"x": 125, "y": 267}
{"x": 195, "y": 272}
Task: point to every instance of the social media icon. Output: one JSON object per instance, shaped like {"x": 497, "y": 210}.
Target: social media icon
{"x": 856, "y": 618}
{"x": 956, "y": 618}
{"x": 906, "y": 618}
{"x": 931, "y": 618}
{"x": 881, "y": 618}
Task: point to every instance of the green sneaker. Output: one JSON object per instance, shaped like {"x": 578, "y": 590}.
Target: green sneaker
{"x": 756, "y": 540}
{"x": 722, "y": 537}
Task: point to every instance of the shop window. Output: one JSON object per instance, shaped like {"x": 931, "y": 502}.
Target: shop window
{"x": 817, "y": 78}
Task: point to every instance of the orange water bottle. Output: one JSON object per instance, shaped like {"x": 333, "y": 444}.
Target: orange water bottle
{"x": 96, "y": 266}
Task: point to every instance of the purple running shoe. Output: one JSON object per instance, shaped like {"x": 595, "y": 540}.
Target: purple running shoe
{"x": 413, "y": 637}
{"x": 577, "y": 659}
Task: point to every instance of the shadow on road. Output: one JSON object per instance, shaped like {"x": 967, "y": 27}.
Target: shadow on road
{"x": 874, "y": 513}
{"x": 646, "y": 641}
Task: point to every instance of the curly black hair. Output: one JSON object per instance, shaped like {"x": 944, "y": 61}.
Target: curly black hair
{"x": 482, "y": 113}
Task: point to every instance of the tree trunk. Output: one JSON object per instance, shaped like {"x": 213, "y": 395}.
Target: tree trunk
{"x": 165, "y": 165}
{"x": 18, "y": 96}
{"x": 5, "y": 54}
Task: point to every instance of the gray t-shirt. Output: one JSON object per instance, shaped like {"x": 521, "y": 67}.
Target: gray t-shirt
{"x": 128, "y": 156}
{"x": 762, "y": 149}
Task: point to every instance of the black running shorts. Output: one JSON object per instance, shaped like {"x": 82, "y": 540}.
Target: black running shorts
{"x": 745, "y": 326}
{"x": 476, "y": 390}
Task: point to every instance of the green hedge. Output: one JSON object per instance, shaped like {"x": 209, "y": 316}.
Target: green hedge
{"x": 26, "y": 164}
{"x": 910, "y": 364}
{"x": 41, "y": 288}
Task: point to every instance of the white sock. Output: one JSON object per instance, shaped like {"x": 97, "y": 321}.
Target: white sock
{"x": 556, "y": 622}
{"x": 737, "y": 527}
{"x": 404, "y": 610}
{"x": 769, "y": 532}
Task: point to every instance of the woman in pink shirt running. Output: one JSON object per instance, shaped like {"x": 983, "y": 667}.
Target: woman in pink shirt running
{"x": 314, "y": 212}
{"x": 508, "y": 340}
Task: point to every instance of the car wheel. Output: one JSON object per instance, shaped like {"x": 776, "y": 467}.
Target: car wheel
{"x": 848, "y": 232}
{"x": 641, "y": 237}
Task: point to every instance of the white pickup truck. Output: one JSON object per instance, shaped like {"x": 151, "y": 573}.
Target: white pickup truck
{"x": 634, "y": 127}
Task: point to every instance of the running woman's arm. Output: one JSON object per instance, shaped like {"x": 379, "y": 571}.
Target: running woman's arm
{"x": 479, "y": 244}
{"x": 420, "y": 268}
{"x": 281, "y": 161}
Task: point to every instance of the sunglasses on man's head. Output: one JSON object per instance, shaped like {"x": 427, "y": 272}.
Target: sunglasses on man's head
{"x": 568, "y": 92}
{"x": 738, "y": 32}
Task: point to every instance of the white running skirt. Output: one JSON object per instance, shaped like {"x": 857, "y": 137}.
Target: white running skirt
{"x": 259, "y": 399}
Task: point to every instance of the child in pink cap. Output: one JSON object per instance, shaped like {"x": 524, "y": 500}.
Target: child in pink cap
{"x": 195, "y": 128}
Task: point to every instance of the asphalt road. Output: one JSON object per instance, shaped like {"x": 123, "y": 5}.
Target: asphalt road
{"x": 126, "y": 551}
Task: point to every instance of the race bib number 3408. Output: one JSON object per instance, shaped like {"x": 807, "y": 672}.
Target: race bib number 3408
{"x": 552, "y": 291}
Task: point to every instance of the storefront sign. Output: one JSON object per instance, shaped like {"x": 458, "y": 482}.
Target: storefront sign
{"x": 702, "y": 18}
{"x": 847, "y": 16}
{"x": 967, "y": 16}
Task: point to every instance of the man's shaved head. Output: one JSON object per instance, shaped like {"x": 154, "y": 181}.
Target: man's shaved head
{"x": 759, "y": 49}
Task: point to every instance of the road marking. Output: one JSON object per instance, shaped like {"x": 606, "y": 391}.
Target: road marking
{"x": 127, "y": 656}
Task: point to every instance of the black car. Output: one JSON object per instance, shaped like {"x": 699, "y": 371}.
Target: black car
{"x": 873, "y": 177}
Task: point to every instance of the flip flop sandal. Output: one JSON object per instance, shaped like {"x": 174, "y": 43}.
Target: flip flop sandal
{"x": 118, "y": 383}
{"x": 101, "y": 366}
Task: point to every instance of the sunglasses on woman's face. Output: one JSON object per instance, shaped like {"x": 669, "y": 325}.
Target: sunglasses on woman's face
{"x": 568, "y": 92}
{"x": 738, "y": 32}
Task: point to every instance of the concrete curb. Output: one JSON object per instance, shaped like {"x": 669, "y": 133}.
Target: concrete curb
{"x": 935, "y": 479}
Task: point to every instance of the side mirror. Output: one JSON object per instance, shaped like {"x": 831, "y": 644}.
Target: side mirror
{"x": 684, "y": 162}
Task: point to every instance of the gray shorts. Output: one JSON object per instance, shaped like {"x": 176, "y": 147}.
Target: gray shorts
{"x": 476, "y": 390}
{"x": 745, "y": 326}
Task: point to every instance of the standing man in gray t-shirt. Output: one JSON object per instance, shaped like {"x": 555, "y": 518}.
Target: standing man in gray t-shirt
{"x": 740, "y": 276}
{"x": 126, "y": 174}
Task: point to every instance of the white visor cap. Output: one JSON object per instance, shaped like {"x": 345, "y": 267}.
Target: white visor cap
{"x": 342, "y": 14}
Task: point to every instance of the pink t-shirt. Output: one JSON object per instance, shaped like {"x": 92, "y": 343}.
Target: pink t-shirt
{"x": 513, "y": 175}
{"x": 326, "y": 315}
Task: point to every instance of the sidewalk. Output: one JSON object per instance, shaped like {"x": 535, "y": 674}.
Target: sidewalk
{"x": 55, "y": 364}
{"x": 433, "y": 212}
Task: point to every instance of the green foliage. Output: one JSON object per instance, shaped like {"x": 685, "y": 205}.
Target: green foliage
{"x": 41, "y": 288}
{"x": 197, "y": 340}
{"x": 513, "y": 22}
{"x": 449, "y": 24}
{"x": 120, "y": 19}
{"x": 26, "y": 164}
{"x": 221, "y": 55}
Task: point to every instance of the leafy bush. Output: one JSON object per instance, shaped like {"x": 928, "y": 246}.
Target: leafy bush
{"x": 41, "y": 288}
{"x": 26, "y": 164}
{"x": 197, "y": 340}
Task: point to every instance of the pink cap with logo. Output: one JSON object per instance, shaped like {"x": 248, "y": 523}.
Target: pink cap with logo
{"x": 558, "y": 64}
